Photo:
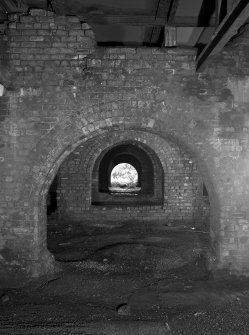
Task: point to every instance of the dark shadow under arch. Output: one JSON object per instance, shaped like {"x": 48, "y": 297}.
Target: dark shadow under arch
{"x": 150, "y": 175}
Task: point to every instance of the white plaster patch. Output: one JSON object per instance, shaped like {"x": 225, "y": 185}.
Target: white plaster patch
{"x": 29, "y": 92}
{"x": 1, "y": 90}
{"x": 151, "y": 123}
{"x": 239, "y": 89}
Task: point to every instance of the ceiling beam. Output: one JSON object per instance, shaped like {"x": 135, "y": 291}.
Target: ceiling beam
{"x": 10, "y": 6}
{"x": 172, "y": 11}
{"x": 154, "y": 34}
{"x": 162, "y": 9}
{"x": 230, "y": 4}
{"x": 221, "y": 10}
{"x": 3, "y": 17}
{"x": 226, "y": 30}
{"x": 133, "y": 20}
{"x": 193, "y": 21}
{"x": 141, "y": 20}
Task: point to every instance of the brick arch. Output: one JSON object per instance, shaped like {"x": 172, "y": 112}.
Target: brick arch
{"x": 169, "y": 156}
{"x": 151, "y": 188}
{"x": 58, "y": 145}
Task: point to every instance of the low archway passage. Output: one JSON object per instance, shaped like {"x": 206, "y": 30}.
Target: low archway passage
{"x": 52, "y": 199}
{"x": 149, "y": 190}
{"x": 162, "y": 225}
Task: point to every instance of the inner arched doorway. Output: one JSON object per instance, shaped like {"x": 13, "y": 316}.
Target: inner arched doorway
{"x": 170, "y": 197}
{"x": 149, "y": 169}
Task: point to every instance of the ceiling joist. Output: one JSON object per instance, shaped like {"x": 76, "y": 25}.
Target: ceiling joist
{"x": 10, "y": 6}
{"x": 193, "y": 21}
{"x": 172, "y": 11}
{"x": 132, "y": 20}
{"x": 153, "y": 34}
{"x": 226, "y": 30}
{"x": 165, "y": 13}
{"x": 142, "y": 20}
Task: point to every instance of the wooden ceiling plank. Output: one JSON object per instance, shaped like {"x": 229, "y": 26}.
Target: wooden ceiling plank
{"x": 154, "y": 35}
{"x": 147, "y": 35}
{"x": 222, "y": 10}
{"x": 135, "y": 20}
{"x": 217, "y": 11}
{"x": 230, "y": 4}
{"x": 226, "y": 30}
{"x": 172, "y": 11}
{"x": 163, "y": 9}
{"x": 3, "y": 17}
{"x": 155, "y": 31}
{"x": 6, "y": 5}
{"x": 141, "y": 20}
{"x": 11, "y": 6}
{"x": 192, "y": 21}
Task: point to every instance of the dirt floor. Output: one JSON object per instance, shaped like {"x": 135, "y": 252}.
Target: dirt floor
{"x": 127, "y": 280}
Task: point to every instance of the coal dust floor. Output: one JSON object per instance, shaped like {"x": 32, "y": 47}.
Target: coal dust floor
{"x": 127, "y": 280}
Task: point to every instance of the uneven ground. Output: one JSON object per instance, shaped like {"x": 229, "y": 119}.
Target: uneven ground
{"x": 127, "y": 280}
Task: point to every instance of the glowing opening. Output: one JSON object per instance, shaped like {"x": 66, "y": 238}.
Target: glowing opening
{"x": 2, "y": 89}
{"x": 124, "y": 178}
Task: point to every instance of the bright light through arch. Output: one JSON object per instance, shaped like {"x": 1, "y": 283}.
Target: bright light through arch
{"x": 124, "y": 177}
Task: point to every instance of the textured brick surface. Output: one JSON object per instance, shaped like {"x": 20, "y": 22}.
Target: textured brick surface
{"x": 182, "y": 201}
{"x": 66, "y": 93}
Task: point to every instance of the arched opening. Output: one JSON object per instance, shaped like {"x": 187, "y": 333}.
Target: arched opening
{"x": 127, "y": 231}
{"x": 168, "y": 193}
{"x": 52, "y": 199}
{"x": 2, "y": 90}
{"x": 150, "y": 176}
{"x": 124, "y": 179}
{"x": 134, "y": 240}
{"x": 88, "y": 213}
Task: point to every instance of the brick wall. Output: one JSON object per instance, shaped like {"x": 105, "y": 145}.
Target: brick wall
{"x": 65, "y": 93}
{"x": 46, "y": 48}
